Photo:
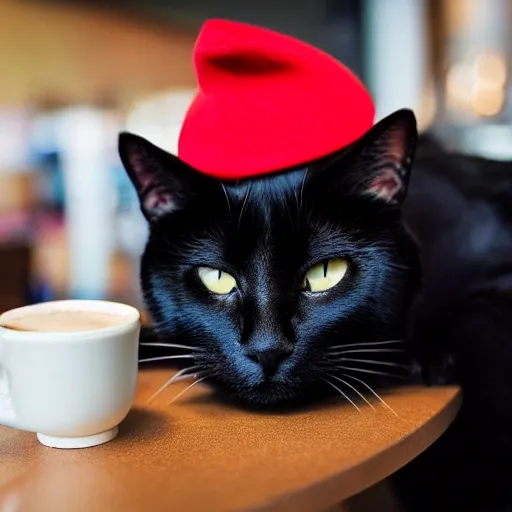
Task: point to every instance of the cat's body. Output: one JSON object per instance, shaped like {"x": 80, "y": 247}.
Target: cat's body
{"x": 460, "y": 209}
{"x": 271, "y": 341}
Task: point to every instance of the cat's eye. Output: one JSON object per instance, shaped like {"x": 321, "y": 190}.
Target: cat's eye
{"x": 217, "y": 281}
{"x": 325, "y": 275}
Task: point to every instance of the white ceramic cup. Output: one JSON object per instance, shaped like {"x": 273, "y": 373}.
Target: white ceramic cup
{"x": 72, "y": 388}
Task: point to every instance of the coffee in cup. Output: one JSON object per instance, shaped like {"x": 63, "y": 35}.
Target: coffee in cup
{"x": 63, "y": 321}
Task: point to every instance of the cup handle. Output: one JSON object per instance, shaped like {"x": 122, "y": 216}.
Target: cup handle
{"x": 7, "y": 414}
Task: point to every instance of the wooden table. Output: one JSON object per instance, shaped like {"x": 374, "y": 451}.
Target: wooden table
{"x": 199, "y": 455}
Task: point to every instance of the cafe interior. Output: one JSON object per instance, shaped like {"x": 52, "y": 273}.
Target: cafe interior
{"x": 76, "y": 73}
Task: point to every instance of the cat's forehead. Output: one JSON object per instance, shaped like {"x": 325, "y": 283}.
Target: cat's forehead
{"x": 283, "y": 220}
{"x": 262, "y": 204}
{"x": 270, "y": 188}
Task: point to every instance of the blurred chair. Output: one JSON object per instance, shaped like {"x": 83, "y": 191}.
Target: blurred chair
{"x": 14, "y": 275}
{"x": 16, "y": 229}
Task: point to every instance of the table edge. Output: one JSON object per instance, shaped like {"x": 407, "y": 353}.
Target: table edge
{"x": 329, "y": 492}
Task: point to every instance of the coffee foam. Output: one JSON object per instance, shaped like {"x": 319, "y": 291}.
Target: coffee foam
{"x": 63, "y": 321}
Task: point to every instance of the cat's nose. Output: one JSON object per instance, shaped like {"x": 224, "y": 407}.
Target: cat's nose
{"x": 269, "y": 361}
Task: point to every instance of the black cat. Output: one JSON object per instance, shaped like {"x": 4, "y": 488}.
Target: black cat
{"x": 313, "y": 280}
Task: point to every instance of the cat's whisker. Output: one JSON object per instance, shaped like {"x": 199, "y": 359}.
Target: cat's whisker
{"x": 384, "y": 403}
{"x": 227, "y": 197}
{"x": 366, "y": 343}
{"x": 373, "y": 372}
{"x": 289, "y": 211}
{"x": 398, "y": 267}
{"x": 373, "y": 361}
{"x": 341, "y": 393}
{"x": 244, "y": 203}
{"x": 166, "y": 358}
{"x": 302, "y": 187}
{"x": 351, "y": 387}
{"x": 182, "y": 374}
{"x": 181, "y": 393}
{"x": 170, "y": 345}
{"x": 366, "y": 350}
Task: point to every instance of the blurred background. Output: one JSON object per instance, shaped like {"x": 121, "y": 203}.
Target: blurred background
{"x": 75, "y": 73}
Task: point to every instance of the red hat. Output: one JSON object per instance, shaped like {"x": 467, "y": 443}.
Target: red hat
{"x": 267, "y": 102}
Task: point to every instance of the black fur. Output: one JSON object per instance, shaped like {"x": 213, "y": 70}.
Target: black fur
{"x": 267, "y": 232}
{"x": 460, "y": 208}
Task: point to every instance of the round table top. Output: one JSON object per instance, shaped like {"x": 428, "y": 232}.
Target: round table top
{"x": 198, "y": 454}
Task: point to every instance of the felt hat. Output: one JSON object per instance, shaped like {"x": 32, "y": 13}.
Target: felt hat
{"x": 267, "y": 102}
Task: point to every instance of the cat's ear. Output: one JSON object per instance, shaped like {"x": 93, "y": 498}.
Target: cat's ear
{"x": 379, "y": 164}
{"x": 163, "y": 182}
